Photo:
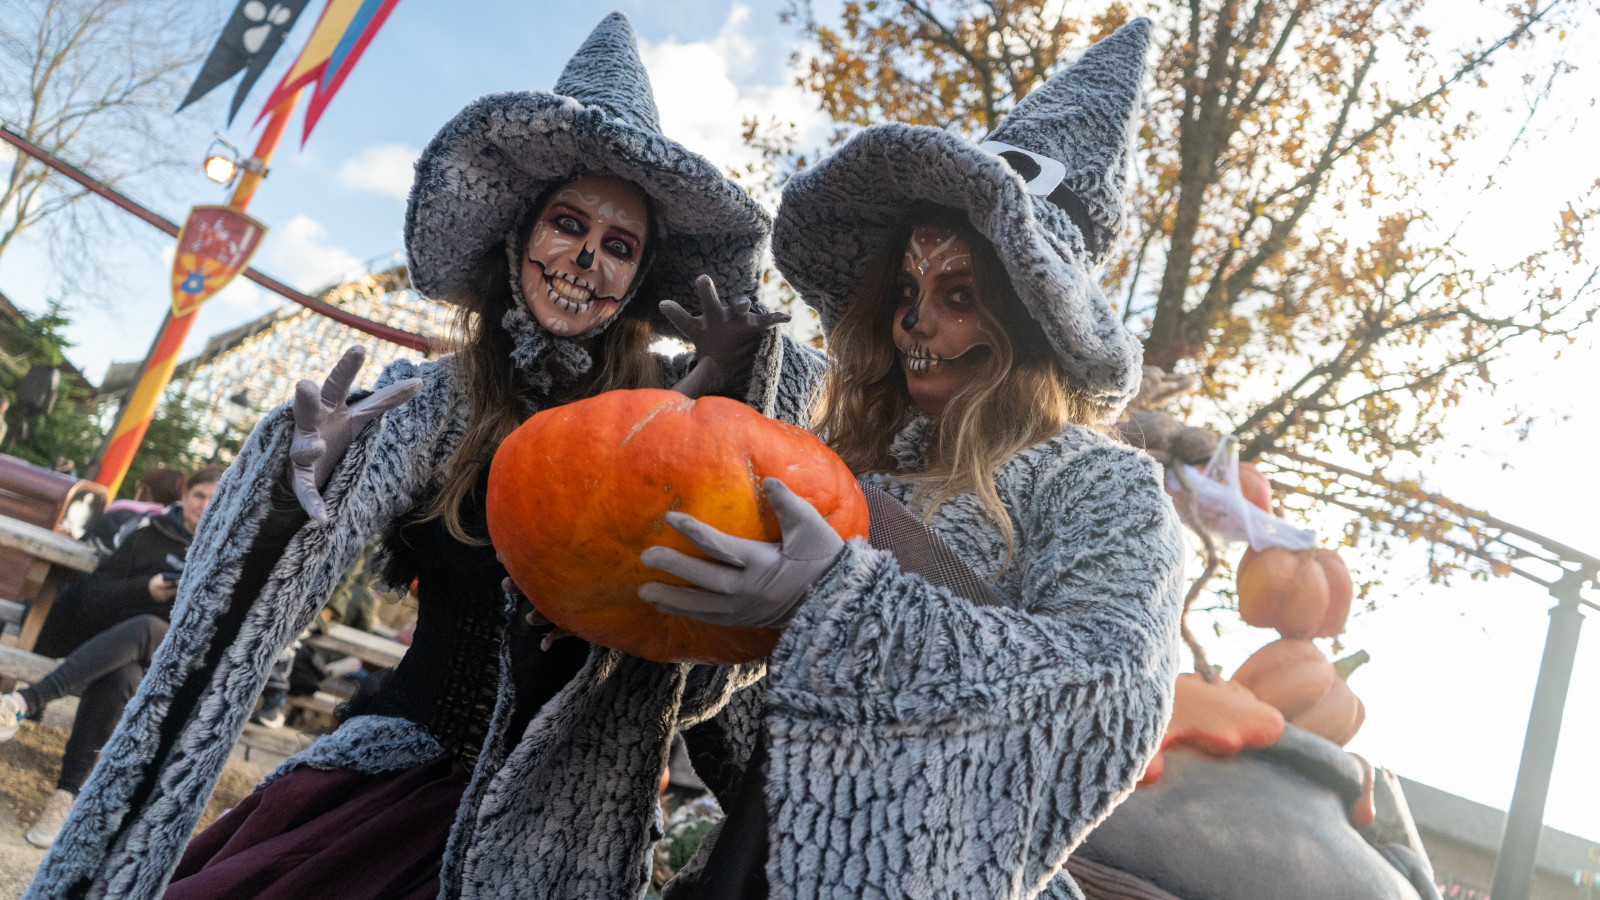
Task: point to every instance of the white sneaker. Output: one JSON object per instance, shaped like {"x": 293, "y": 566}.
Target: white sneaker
{"x": 43, "y": 833}
{"x": 12, "y": 709}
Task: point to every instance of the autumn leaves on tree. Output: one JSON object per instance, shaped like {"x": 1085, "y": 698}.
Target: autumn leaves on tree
{"x": 1289, "y": 243}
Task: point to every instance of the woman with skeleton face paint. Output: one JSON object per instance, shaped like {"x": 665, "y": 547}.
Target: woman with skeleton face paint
{"x": 494, "y": 760}
{"x": 952, "y": 707}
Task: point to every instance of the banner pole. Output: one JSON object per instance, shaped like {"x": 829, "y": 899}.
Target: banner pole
{"x": 158, "y": 366}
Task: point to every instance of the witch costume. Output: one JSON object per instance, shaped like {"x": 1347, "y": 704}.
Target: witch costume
{"x": 542, "y": 767}
{"x": 919, "y": 743}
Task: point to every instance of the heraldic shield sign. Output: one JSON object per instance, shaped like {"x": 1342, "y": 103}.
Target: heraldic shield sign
{"x": 216, "y": 243}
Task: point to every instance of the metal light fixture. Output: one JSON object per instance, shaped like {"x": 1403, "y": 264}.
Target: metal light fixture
{"x": 222, "y": 161}
{"x": 237, "y": 408}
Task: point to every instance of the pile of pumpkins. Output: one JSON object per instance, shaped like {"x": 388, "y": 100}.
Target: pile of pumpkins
{"x": 1302, "y": 594}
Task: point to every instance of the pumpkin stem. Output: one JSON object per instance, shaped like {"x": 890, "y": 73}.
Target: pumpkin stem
{"x": 1191, "y": 517}
{"x": 1351, "y": 663}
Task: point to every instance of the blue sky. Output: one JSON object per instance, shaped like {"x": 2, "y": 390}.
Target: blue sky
{"x": 1453, "y": 671}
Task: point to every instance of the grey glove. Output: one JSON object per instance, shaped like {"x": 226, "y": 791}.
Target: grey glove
{"x": 324, "y": 426}
{"x": 725, "y": 337}
{"x": 756, "y": 583}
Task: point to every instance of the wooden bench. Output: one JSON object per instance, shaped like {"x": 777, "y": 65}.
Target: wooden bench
{"x": 54, "y": 559}
{"x": 21, "y": 665}
{"x": 373, "y": 649}
{"x": 257, "y": 744}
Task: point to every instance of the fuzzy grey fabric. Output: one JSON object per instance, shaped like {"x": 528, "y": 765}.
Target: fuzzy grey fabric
{"x": 564, "y": 359}
{"x": 1086, "y": 117}
{"x": 922, "y": 746}
{"x": 571, "y": 802}
{"x": 370, "y": 744}
{"x": 838, "y": 216}
{"x": 477, "y": 175}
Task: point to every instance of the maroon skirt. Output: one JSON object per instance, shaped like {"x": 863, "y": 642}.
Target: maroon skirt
{"x": 329, "y": 833}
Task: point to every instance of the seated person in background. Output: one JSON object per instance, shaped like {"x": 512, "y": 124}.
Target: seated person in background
{"x": 158, "y": 489}
{"x": 132, "y": 592}
{"x": 299, "y": 668}
{"x": 125, "y": 584}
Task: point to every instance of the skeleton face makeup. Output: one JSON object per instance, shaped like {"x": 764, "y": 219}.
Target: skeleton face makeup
{"x": 584, "y": 252}
{"x": 937, "y": 330}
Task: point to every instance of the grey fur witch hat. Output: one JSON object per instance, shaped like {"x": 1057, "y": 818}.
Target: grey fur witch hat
{"x": 1047, "y": 188}
{"x": 480, "y": 173}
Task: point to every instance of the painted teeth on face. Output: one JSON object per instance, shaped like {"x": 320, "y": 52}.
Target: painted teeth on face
{"x": 567, "y": 296}
{"x": 566, "y": 305}
{"x": 921, "y": 360}
{"x": 576, "y": 281}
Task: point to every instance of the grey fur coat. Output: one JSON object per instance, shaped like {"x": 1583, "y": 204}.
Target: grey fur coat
{"x": 565, "y": 810}
{"x": 922, "y": 746}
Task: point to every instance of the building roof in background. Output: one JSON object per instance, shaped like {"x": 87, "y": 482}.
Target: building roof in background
{"x": 122, "y": 376}
{"x": 1480, "y": 826}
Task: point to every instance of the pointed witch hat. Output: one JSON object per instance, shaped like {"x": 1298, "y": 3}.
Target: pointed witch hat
{"x": 1046, "y": 188}
{"x": 485, "y": 167}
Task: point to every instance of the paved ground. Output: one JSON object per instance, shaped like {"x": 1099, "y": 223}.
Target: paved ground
{"x": 29, "y": 764}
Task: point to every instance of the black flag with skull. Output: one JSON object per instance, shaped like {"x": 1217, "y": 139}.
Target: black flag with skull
{"x": 253, "y": 34}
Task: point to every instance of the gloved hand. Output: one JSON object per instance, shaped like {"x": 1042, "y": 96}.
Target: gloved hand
{"x": 755, "y": 583}
{"x": 725, "y": 337}
{"x": 324, "y": 426}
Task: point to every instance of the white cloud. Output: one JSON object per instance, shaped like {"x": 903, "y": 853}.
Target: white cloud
{"x": 300, "y": 255}
{"x": 246, "y": 297}
{"x": 704, "y": 96}
{"x": 385, "y": 169}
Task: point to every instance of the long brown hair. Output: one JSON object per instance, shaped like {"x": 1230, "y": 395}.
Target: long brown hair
{"x": 493, "y": 386}
{"x": 1020, "y": 396}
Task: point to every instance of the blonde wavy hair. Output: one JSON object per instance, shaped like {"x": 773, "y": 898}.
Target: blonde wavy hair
{"x": 1020, "y": 396}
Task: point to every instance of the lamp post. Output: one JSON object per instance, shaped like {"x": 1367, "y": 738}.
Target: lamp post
{"x": 156, "y": 373}
{"x": 1519, "y": 845}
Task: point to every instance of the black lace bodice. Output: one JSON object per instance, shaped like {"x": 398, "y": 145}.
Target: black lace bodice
{"x": 449, "y": 679}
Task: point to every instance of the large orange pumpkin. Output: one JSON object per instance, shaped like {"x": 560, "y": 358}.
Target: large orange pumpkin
{"x": 579, "y": 491}
{"x": 1282, "y": 589}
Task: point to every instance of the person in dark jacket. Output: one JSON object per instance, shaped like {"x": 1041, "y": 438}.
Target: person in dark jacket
{"x": 121, "y": 586}
{"x": 157, "y": 490}
{"x": 126, "y": 600}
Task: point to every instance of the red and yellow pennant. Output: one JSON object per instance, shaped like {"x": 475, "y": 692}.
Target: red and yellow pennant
{"x": 342, "y": 34}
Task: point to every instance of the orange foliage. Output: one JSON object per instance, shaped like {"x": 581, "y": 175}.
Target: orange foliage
{"x": 1281, "y": 243}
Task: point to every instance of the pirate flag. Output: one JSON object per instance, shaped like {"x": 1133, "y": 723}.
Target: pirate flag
{"x": 252, "y": 35}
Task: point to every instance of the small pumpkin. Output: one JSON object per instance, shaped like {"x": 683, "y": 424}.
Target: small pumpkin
{"x": 1341, "y": 592}
{"x": 1291, "y": 675}
{"x": 1297, "y": 679}
{"x": 1282, "y": 589}
{"x": 1255, "y": 487}
{"x": 1337, "y": 716}
{"x": 579, "y": 491}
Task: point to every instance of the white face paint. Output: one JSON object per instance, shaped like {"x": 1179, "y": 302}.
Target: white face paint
{"x": 936, "y": 251}
{"x": 584, "y": 252}
{"x": 937, "y": 329}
